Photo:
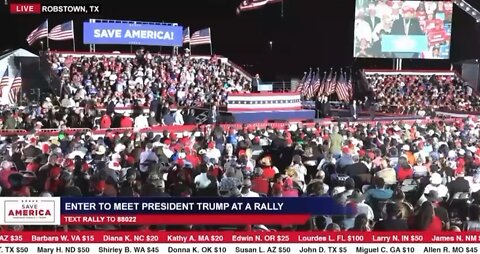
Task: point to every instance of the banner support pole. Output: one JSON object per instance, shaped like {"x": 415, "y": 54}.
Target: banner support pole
{"x": 73, "y": 33}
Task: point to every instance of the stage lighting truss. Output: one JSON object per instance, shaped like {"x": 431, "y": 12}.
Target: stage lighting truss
{"x": 474, "y": 13}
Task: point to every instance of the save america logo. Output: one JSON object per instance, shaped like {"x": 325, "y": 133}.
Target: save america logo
{"x": 31, "y": 211}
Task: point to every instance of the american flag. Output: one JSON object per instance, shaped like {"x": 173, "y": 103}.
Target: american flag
{"x": 302, "y": 82}
{"x": 263, "y": 102}
{"x": 39, "y": 32}
{"x": 62, "y": 32}
{"x": 186, "y": 35}
{"x": 306, "y": 84}
{"x": 201, "y": 37}
{"x": 249, "y": 5}
{"x": 322, "y": 88}
{"x": 4, "y": 82}
{"x": 330, "y": 83}
{"x": 317, "y": 85}
{"x": 343, "y": 88}
{"x": 15, "y": 88}
{"x": 314, "y": 85}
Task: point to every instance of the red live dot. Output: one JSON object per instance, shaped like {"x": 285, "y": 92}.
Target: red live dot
{"x": 25, "y": 8}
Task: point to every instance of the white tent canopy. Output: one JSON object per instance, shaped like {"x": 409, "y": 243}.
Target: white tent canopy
{"x": 7, "y": 61}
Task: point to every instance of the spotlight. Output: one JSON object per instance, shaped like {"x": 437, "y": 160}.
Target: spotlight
{"x": 470, "y": 10}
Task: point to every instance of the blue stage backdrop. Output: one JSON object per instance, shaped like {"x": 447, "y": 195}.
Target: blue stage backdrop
{"x": 132, "y": 34}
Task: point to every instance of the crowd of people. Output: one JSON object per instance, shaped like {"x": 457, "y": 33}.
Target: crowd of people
{"x": 422, "y": 95}
{"x": 171, "y": 87}
{"x": 396, "y": 176}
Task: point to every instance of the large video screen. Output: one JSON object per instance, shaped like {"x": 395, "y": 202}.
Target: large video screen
{"x": 402, "y": 29}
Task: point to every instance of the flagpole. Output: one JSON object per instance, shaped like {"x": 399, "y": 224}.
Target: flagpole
{"x": 211, "y": 47}
{"x": 189, "y": 40}
{"x": 48, "y": 43}
{"x": 73, "y": 33}
{"x": 21, "y": 86}
{"x": 281, "y": 14}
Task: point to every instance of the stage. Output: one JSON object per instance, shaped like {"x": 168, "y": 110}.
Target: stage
{"x": 273, "y": 116}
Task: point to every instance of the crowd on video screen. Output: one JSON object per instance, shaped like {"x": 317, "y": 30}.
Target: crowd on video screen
{"x": 375, "y": 19}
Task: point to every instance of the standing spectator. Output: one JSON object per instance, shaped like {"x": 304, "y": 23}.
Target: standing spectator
{"x": 213, "y": 115}
{"x": 141, "y": 122}
{"x": 105, "y": 121}
{"x": 255, "y": 83}
{"x": 336, "y": 142}
{"x": 10, "y": 123}
{"x": 126, "y": 121}
{"x": 178, "y": 116}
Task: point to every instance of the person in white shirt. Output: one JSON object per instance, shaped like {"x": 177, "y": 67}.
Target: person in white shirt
{"x": 474, "y": 183}
{"x": 436, "y": 184}
{"x": 141, "y": 122}
{"x": 66, "y": 102}
{"x": 246, "y": 191}
{"x": 357, "y": 198}
{"x": 212, "y": 152}
{"x": 201, "y": 181}
{"x": 178, "y": 117}
{"x": 300, "y": 169}
{"x": 327, "y": 160}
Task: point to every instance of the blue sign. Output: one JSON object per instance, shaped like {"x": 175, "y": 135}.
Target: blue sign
{"x": 132, "y": 34}
{"x": 404, "y": 44}
{"x": 158, "y": 205}
{"x": 445, "y": 51}
{"x": 448, "y": 28}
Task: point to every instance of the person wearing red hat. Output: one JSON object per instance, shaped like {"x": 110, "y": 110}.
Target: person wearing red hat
{"x": 99, "y": 187}
{"x": 68, "y": 164}
{"x": 105, "y": 121}
{"x": 345, "y": 159}
{"x": 31, "y": 150}
{"x": 268, "y": 169}
{"x": 53, "y": 183}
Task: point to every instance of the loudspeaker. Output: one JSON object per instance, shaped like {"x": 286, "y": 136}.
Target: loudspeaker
{"x": 471, "y": 74}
